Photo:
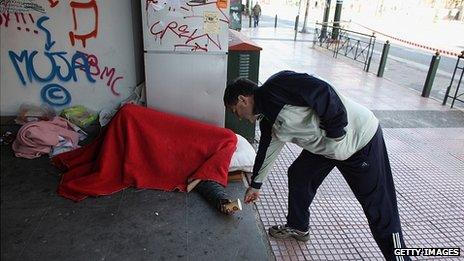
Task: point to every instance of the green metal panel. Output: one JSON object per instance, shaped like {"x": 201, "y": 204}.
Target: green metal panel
{"x": 383, "y": 60}
{"x": 235, "y": 16}
{"x": 242, "y": 64}
{"x": 431, "y": 75}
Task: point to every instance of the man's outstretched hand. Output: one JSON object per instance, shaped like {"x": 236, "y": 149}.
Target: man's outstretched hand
{"x": 251, "y": 195}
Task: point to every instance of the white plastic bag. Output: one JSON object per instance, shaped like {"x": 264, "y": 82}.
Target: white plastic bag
{"x": 29, "y": 112}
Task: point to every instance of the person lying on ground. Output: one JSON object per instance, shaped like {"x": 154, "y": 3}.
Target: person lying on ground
{"x": 148, "y": 149}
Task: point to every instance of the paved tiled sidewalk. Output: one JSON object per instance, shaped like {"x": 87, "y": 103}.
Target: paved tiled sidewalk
{"x": 427, "y": 164}
{"x": 429, "y": 184}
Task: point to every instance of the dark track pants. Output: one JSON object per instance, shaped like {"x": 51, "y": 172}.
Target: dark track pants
{"x": 369, "y": 176}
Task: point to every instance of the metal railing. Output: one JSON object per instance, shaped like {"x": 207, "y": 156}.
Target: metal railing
{"x": 354, "y": 45}
{"x": 458, "y": 67}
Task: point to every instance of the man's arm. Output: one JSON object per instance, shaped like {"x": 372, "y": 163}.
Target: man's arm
{"x": 268, "y": 150}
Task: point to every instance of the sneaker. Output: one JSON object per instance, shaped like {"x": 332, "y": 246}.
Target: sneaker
{"x": 285, "y": 231}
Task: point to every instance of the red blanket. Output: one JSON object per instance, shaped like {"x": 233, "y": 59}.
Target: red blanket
{"x": 149, "y": 149}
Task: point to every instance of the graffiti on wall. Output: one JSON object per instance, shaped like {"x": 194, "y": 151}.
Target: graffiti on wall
{"x": 76, "y": 34}
{"x": 106, "y": 73}
{"x": 86, "y": 10}
{"x": 192, "y": 40}
{"x": 19, "y": 13}
{"x": 22, "y": 21}
{"x": 179, "y": 27}
{"x": 53, "y": 3}
{"x": 20, "y": 6}
{"x": 50, "y": 67}
{"x": 59, "y": 67}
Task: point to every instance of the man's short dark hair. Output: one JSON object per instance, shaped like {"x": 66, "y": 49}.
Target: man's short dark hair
{"x": 240, "y": 86}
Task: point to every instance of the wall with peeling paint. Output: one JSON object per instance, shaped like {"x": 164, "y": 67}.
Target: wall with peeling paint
{"x": 66, "y": 53}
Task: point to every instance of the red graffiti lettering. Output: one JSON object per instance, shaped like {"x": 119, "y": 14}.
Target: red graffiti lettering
{"x": 147, "y": 2}
{"x": 6, "y": 17}
{"x": 196, "y": 4}
{"x": 20, "y": 18}
{"x": 53, "y": 3}
{"x": 73, "y": 36}
{"x": 171, "y": 26}
{"x": 191, "y": 40}
{"x": 106, "y": 73}
{"x": 93, "y": 63}
{"x": 218, "y": 44}
{"x": 183, "y": 29}
{"x": 226, "y": 18}
{"x": 188, "y": 47}
{"x": 185, "y": 37}
{"x": 112, "y": 86}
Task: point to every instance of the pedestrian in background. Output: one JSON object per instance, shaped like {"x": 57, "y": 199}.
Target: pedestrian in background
{"x": 256, "y": 13}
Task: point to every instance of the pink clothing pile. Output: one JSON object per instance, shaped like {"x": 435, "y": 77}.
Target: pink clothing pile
{"x": 37, "y": 138}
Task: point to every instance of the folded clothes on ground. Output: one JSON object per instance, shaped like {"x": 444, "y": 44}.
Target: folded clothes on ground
{"x": 37, "y": 138}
